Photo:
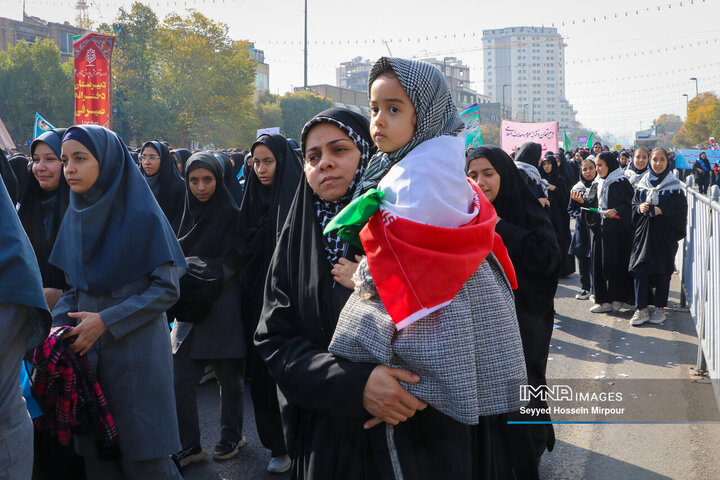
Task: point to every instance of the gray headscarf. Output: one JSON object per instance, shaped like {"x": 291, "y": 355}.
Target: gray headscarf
{"x": 436, "y": 112}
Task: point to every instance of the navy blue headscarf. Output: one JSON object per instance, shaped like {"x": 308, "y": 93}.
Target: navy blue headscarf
{"x": 97, "y": 245}
{"x": 20, "y": 281}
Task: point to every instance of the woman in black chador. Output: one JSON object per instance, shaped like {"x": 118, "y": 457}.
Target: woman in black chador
{"x": 168, "y": 187}
{"x": 559, "y": 196}
{"x": 528, "y": 235}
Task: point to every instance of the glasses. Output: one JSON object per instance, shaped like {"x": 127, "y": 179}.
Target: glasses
{"x": 149, "y": 157}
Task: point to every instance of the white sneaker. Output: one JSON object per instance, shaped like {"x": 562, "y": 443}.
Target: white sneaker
{"x": 639, "y": 317}
{"x": 279, "y": 464}
{"x": 601, "y": 308}
{"x": 658, "y": 316}
{"x": 582, "y": 295}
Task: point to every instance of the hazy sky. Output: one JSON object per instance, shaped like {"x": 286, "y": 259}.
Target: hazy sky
{"x": 615, "y": 77}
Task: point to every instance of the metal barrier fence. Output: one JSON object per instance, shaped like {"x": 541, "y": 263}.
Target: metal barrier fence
{"x": 698, "y": 262}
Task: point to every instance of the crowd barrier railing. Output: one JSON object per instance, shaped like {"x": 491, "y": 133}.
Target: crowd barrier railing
{"x": 698, "y": 262}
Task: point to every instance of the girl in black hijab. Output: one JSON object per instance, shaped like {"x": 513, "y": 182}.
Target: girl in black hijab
{"x": 181, "y": 155}
{"x": 637, "y": 166}
{"x": 580, "y": 244}
{"x": 612, "y": 234}
{"x": 659, "y": 214}
{"x": 532, "y": 245}
{"x": 702, "y": 171}
{"x": 164, "y": 180}
{"x": 559, "y": 197}
{"x": 209, "y": 233}
{"x": 269, "y": 190}
{"x": 229, "y": 178}
{"x": 527, "y": 160}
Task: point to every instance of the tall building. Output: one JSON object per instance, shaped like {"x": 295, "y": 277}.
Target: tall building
{"x": 525, "y": 68}
{"x": 354, "y": 75}
{"x": 458, "y": 77}
{"x": 33, "y": 28}
{"x": 262, "y": 71}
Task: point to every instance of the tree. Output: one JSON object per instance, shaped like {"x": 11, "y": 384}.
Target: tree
{"x": 207, "y": 81}
{"x": 139, "y": 115}
{"x": 490, "y": 133}
{"x": 702, "y": 121}
{"x": 32, "y": 79}
{"x": 298, "y": 108}
{"x": 269, "y": 111}
{"x": 666, "y": 126}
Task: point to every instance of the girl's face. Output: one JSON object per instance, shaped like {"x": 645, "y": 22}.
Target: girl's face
{"x": 658, "y": 162}
{"x": 178, "y": 163}
{"x": 81, "y": 167}
{"x": 202, "y": 184}
{"x": 597, "y": 148}
{"x": 703, "y": 156}
{"x": 588, "y": 170}
{"x": 578, "y": 157}
{"x": 46, "y": 167}
{"x": 393, "y": 117}
{"x": 640, "y": 158}
{"x": 481, "y": 171}
{"x": 331, "y": 160}
{"x": 264, "y": 164}
{"x": 150, "y": 160}
{"x": 547, "y": 166}
{"x": 601, "y": 166}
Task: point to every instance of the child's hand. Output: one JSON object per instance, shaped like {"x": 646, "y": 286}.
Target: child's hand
{"x": 343, "y": 271}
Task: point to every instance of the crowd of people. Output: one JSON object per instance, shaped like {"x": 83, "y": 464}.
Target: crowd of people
{"x": 383, "y": 290}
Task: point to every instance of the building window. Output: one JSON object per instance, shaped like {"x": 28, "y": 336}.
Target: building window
{"x": 66, "y": 43}
{"x": 24, "y": 36}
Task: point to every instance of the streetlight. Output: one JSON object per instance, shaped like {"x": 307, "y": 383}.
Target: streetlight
{"x": 696, "y": 85}
{"x": 687, "y": 103}
{"x": 502, "y": 110}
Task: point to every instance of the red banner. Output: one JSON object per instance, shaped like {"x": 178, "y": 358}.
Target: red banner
{"x": 92, "y": 79}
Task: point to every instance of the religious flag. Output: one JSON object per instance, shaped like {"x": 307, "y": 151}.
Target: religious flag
{"x": 567, "y": 145}
{"x": 92, "y": 78}
{"x": 41, "y": 126}
{"x": 590, "y": 142}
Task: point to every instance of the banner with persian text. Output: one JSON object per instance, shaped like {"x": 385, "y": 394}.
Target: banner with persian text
{"x": 514, "y": 134}
{"x": 92, "y": 78}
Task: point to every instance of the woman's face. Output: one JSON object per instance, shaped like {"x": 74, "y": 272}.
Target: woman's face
{"x": 331, "y": 160}
{"x": 481, "y": 171}
{"x": 46, "y": 167}
{"x": 578, "y": 157}
{"x": 264, "y": 164}
{"x": 601, "y": 166}
{"x": 640, "y": 158}
{"x": 150, "y": 160}
{"x": 547, "y": 166}
{"x": 658, "y": 162}
{"x": 703, "y": 156}
{"x": 202, "y": 184}
{"x": 178, "y": 162}
{"x": 588, "y": 170}
{"x": 81, "y": 167}
{"x": 597, "y": 148}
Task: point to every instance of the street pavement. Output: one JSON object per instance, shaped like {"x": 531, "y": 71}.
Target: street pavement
{"x": 584, "y": 346}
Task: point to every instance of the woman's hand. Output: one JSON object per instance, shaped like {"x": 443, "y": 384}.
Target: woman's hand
{"x": 551, "y": 187}
{"x": 88, "y": 330}
{"x": 610, "y": 213}
{"x": 52, "y": 295}
{"x": 644, "y": 207}
{"x": 343, "y": 271}
{"x": 577, "y": 197}
{"x": 544, "y": 201}
{"x": 658, "y": 211}
{"x": 386, "y": 400}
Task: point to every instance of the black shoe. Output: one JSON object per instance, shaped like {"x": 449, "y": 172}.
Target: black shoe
{"x": 188, "y": 456}
{"x": 225, "y": 449}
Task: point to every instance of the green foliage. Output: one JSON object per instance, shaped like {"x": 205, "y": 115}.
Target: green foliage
{"x": 298, "y": 108}
{"x": 32, "y": 79}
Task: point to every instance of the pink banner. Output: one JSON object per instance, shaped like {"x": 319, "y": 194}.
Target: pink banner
{"x": 514, "y": 134}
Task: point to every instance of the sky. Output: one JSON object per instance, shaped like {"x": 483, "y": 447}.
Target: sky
{"x": 623, "y": 69}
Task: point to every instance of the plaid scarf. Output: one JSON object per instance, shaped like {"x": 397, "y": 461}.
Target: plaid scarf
{"x": 66, "y": 387}
{"x": 436, "y": 113}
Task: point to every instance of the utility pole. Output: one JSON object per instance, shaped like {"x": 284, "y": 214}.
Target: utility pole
{"x": 305, "y": 70}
